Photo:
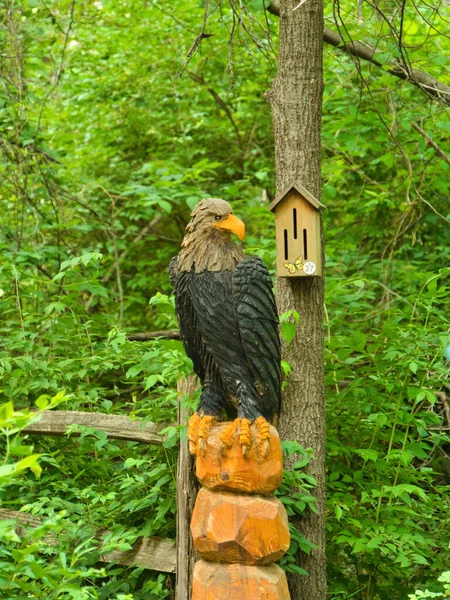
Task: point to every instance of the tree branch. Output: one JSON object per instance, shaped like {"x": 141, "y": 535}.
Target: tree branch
{"x": 427, "y": 83}
{"x": 221, "y": 104}
{"x": 431, "y": 143}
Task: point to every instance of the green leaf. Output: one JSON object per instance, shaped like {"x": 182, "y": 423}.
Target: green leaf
{"x": 367, "y": 454}
{"x": 286, "y": 367}
{"x": 166, "y": 206}
{"x": 6, "y": 413}
{"x": 288, "y": 331}
{"x": 42, "y": 402}
{"x": 133, "y": 371}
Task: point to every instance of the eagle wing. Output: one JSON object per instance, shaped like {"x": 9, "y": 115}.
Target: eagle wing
{"x": 229, "y": 328}
{"x": 186, "y": 315}
{"x": 258, "y": 322}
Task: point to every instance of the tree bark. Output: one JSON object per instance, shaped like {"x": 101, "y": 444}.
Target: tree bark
{"x": 187, "y": 488}
{"x": 296, "y": 102}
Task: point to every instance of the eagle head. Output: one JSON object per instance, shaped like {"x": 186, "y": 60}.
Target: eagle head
{"x": 207, "y": 245}
{"x": 214, "y": 212}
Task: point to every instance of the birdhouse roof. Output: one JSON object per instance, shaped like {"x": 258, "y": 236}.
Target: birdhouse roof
{"x": 301, "y": 190}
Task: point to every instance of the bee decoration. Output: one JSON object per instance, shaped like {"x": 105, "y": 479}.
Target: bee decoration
{"x": 298, "y": 265}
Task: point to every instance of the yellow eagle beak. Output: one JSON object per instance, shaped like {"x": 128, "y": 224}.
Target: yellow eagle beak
{"x": 232, "y": 224}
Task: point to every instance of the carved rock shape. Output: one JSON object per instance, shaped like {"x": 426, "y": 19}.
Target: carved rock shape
{"x": 213, "y": 581}
{"x": 227, "y": 469}
{"x": 234, "y": 528}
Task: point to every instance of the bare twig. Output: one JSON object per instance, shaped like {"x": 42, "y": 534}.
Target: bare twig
{"x": 431, "y": 143}
{"x": 221, "y": 104}
{"x": 196, "y": 43}
{"x": 61, "y": 65}
{"x": 113, "y": 269}
{"x": 118, "y": 276}
{"x": 298, "y": 5}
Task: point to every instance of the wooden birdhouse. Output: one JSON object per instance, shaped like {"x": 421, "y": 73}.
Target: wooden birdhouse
{"x": 297, "y": 225}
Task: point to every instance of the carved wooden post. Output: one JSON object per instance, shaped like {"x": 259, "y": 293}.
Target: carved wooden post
{"x": 186, "y": 491}
{"x": 238, "y": 527}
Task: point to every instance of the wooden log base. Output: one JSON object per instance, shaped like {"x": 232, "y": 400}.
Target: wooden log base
{"x": 225, "y": 468}
{"x": 213, "y": 581}
{"x": 235, "y": 528}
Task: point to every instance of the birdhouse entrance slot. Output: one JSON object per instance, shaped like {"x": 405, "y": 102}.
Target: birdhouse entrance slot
{"x": 305, "y": 245}
{"x": 295, "y": 223}
{"x": 286, "y": 249}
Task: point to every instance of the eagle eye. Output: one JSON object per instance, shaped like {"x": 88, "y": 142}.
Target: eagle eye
{"x": 218, "y": 218}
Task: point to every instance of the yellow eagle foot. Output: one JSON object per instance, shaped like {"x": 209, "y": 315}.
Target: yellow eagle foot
{"x": 243, "y": 428}
{"x": 264, "y": 436}
{"x": 198, "y": 430}
{"x": 245, "y": 437}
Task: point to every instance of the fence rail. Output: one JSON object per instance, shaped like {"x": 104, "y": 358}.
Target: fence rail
{"x": 154, "y": 553}
{"x": 158, "y": 554}
{"x": 116, "y": 426}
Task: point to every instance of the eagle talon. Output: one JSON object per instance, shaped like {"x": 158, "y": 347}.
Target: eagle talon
{"x": 206, "y": 422}
{"x": 245, "y": 438}
{"x": 264, "y": 448}
{"x": 264, "y": 434}
{"x": 198, "y": 430}
{"x": 201, "y": 447}
{"x": 227, "y": 435}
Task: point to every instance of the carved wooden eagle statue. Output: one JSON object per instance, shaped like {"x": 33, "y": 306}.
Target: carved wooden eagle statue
{"x": 229, "y": 328}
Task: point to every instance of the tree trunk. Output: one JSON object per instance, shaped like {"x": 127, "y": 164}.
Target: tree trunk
{"x": 296, "y": 102}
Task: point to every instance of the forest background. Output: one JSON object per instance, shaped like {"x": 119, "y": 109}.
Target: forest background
{"x": 116, "y": 118}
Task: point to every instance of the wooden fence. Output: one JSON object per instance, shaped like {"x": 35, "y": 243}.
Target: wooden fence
{"x": 164, "y": 555}
{"x": 152, "y": 553}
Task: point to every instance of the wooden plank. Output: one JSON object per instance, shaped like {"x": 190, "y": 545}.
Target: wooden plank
{"x": 158, "y": 554}
{"x": 186, "y": 492}
{"x": 152, "y": 553}
{"x": 118, "y": 427}
{"x": 166, "y": 334}
{"x": 21, "y": 517}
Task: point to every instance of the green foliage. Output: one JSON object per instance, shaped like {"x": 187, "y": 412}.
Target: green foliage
{"x": 11, "y": 425}
{"x": 445, "y": 579}
{"x": 296, "y": 492}
{"x": 108, "y": 139}
{"x": 387, "y": 484}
